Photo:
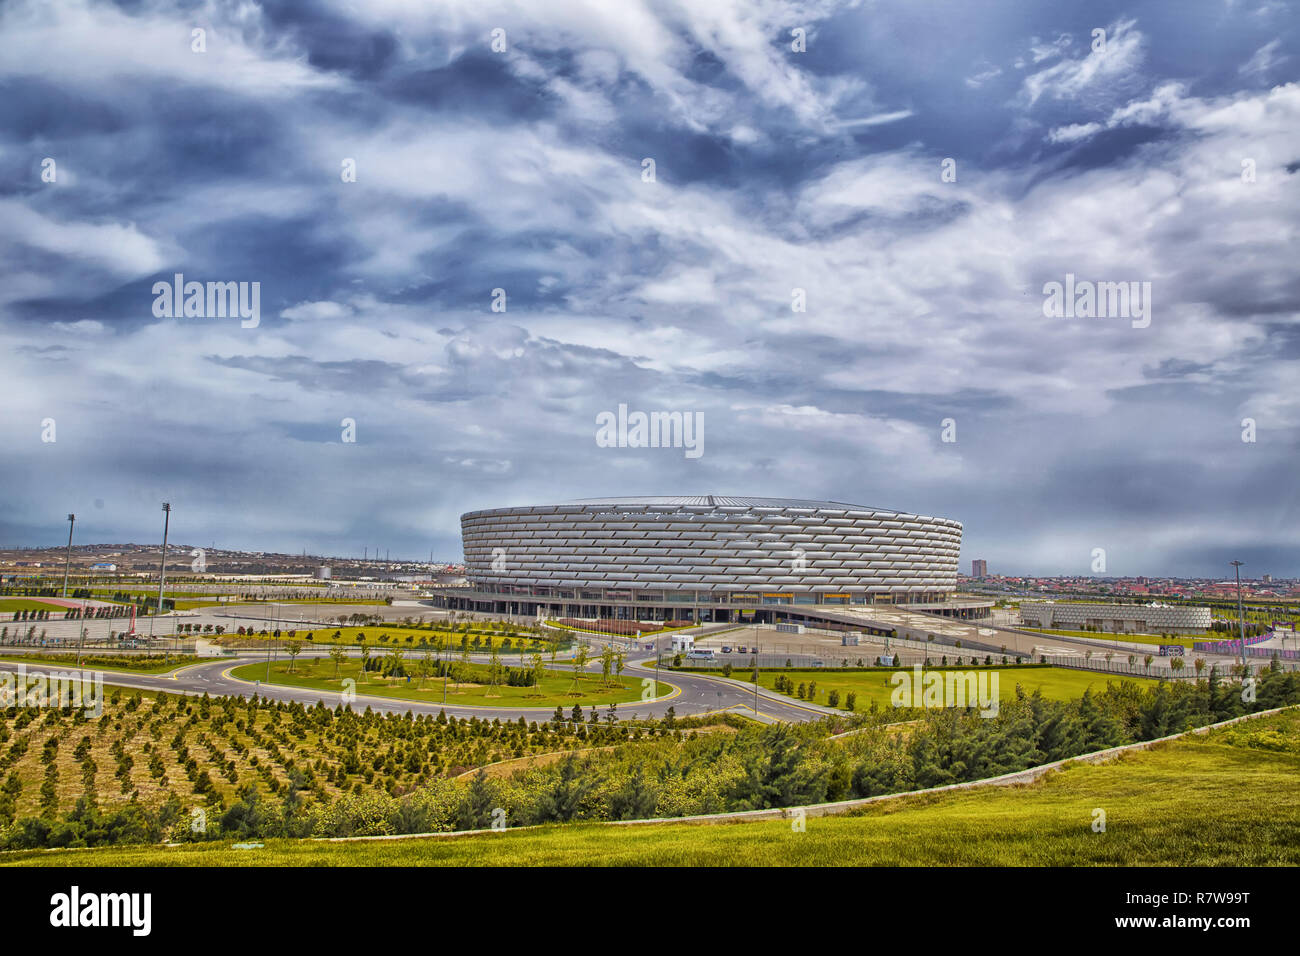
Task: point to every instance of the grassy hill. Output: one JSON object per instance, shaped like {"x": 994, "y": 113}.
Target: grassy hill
{"x": 1226, "y": 798}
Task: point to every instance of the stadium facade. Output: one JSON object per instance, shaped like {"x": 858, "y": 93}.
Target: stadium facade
{"x": 702, "y": 558}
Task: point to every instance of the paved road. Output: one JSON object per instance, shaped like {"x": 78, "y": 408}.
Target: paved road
{"x": 691, "y": 694}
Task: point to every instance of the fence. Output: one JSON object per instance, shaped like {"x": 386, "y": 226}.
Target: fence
{"x": 1232, "y": 646}
{"x": 1160, "y": 667}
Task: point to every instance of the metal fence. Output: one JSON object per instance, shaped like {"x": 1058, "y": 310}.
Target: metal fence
{"x": 1160, "y": 667}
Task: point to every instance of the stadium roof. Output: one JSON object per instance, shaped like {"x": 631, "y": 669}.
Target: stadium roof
{"x": 714, "y": 501}
{"x": 721, "y": 501}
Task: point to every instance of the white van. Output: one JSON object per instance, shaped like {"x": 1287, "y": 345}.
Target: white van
{"x": 700, "y": 654}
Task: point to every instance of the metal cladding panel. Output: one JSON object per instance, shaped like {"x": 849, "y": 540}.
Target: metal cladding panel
{"x": 716, "y": 543}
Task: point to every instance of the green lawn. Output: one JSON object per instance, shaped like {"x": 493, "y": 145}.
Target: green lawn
{"x": 1226, "y": 799}
{"x": 407, "y": 638}
{"x": 1056, "y": 683}
{"x": 557, "y": 686}
{"x": 624, "y": 637}
{"x": 9, "y": 605}
{"x": 65, "y": 660}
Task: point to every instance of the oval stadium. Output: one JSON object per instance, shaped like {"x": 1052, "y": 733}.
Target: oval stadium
{"x": 703, "y": 558}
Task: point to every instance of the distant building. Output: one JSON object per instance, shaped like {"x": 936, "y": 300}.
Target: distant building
{"x": 1267, "y": 579}
{"x": 1116, "y": 618}
{"x": 323, "y": 573}
{"x": 103, "y": 566}
{"x": 979, "y": 568}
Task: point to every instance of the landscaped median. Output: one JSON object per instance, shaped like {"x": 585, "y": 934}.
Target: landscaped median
{"x": 875, "y": 685}
{"x": 123, "y": 663}
{"x": 467, "y": 684}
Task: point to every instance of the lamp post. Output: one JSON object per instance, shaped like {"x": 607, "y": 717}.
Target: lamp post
{"x": 162, "y": 573}
{"x": 1241, "y": 621}
{"x": 67, "y": 561}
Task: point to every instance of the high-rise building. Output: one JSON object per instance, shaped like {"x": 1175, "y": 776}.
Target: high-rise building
{"x": 979, "y": 568}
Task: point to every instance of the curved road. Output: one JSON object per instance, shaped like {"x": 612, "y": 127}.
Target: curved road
{"x": 691, "y": 694}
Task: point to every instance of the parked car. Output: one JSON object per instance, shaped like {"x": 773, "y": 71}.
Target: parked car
{"x": 726, "y": 650}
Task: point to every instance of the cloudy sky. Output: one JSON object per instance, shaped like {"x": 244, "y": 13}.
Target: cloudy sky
{"x": 1165, "y": 149}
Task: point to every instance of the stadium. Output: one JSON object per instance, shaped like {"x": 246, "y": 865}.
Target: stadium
{"x": 702, "y": 559}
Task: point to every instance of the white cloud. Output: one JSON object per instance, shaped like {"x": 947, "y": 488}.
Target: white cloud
{"x": 118, "y": 247}
{"x": 95, "y": 43}
{"x": 979, "y": 79}
{"x": 1263, "y": 61}
{"x": 1122, "y": 55}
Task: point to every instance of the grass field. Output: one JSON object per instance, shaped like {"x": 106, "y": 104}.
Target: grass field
{"x": 623, "y": 637}
{"x": 557, "y": 686}
{"x": 1225, "y": 799}
{"x": 1056, "y": 683}
{"x": 70, "y": 660}
{"x": 398, "y": 635}
{"x": 9, "y": 605}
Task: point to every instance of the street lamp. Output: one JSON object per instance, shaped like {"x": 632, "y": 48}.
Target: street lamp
{"x": 162, "y": 574}
{"x": 67, "y": 561}
{"x": 1241, "y": 621}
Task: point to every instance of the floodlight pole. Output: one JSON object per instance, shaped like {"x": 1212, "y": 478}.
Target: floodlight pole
{"x": 1241, "y": 621}
{"x": 162, "y": 572}
{"x": 67, "y": 561}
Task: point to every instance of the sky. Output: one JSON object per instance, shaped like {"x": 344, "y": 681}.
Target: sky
{"x": 827, "y": 230}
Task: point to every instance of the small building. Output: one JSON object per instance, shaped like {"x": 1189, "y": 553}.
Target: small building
{"x": 1117, "y": 618}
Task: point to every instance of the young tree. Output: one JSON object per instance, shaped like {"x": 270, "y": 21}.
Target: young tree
{"x": 606, "y": 665}
{"x": 475, "y": 809}
{"x": 494, "y": 672}
{"x": 563, "y": 800}
{"x": 294, "y": 649}
{"x": 394, "y": 663}
{"x": 635, "y": 800}
{"x": 579, "y": 662}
